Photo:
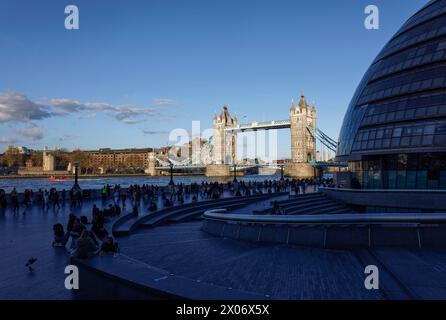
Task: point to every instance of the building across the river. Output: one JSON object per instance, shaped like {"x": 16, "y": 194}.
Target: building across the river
{"x": 48, "y": 166}
{"x": 114, "y": 158}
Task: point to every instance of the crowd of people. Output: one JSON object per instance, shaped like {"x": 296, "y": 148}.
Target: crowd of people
{"x": 85, "y": 238}
{"x": 88, "y": 238}
{"x": 45, "y": 198}
{"x": 150, "y": 193}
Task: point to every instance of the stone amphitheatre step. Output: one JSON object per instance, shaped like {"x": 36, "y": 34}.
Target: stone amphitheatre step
{"x": 308, "y": 204}
{"x": 315, "y": 208}
{"x": 238, "y": 202}
{"x": 323, "y": 210}
{"x": 304, "y": 202}
{"x": 123, "y": 226}
{"x": 130, "y": 223}
{"x": 197, "y": 213}
{"x": 344, "y": 209}
{"x": 304, "y": 197}
{"x": 295, "y": 199}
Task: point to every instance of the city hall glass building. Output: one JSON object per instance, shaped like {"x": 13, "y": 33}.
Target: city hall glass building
{"x": 394, "y": 131}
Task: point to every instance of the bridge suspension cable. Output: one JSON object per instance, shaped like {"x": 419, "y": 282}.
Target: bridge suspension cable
{"x": 332, "y": 142}
{"x": 323, "y": 138}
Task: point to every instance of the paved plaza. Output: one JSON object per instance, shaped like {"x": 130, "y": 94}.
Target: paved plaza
{"x": 183, "y": 249}
{"x": 23, "y": 236}
{"x": 286, "y": 272}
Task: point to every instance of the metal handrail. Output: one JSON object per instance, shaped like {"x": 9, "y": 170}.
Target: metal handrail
{"x": 375, "y": 218}
{"x": 384, "y": 190}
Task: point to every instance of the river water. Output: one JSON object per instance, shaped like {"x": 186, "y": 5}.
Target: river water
{"x": 97, "y": 183}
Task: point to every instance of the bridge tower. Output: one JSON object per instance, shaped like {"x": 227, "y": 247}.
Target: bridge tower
{"x": 303, "y": 144}
{"x": 225, "y": 145}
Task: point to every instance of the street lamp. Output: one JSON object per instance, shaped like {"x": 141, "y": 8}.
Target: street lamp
{"x": 76, "y": 175}
{"x": 171, "y": 183}
{"x": 235, "y": 173}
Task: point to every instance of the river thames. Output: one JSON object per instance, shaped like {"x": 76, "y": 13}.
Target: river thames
{"x": 125, "y": 181}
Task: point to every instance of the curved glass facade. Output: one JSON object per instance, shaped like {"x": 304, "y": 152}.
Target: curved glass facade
{"x": 394, "y": 131}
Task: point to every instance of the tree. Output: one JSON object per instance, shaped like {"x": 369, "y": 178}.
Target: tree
{"x": 61, "y": 158}
{"x": 37, "y": 158}
{"x": 83, "y": 158}
{"x": 14, "y": 158}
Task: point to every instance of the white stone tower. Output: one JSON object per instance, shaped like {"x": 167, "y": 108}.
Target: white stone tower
{"x": 303, "y": 143}
{"x": 225, "y": 144}
{"x": 224, "y": 151}
{"x": 48, "y": 160}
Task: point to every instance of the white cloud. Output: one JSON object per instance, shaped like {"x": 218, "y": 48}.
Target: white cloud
{"x": 67, "y": 137}
{"x": 33, "y": 133}
{"x": 7, "y": 140}
{"x": 165, "y": 102}
{"x": 153, "y": 132}
{"x": 124, "y": 113}
{"x": 66, "y": 106}
{"x": 17, "y": 107}
{"x": 87, "y": 116}
{"x": 132, "y": 115}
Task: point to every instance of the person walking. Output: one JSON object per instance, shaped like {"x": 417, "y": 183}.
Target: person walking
{"x": 15, "y": 201}
{"x": 123, "y": 198}
{"x": 45, "y": 200}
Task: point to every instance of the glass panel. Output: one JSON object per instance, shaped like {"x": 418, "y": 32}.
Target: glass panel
{"x": 395, "y": 142}
{"x": 401, "y": 179}
{"x": 421, "y": 179}
{"x": 443, "y": 180}
{"x": 440, "y": 139}
{"x": 411, "y": 179}
{"x": 416, "y": 141}
{"x": 392, "y": 179}
{"x": 427, "y": 140}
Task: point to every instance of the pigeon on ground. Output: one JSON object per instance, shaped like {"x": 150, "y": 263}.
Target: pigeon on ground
{"x": 30, "y": 263}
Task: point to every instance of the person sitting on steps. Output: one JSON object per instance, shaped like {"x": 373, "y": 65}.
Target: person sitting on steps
{"x": 153, "y": 206}
{"x": 60, "y": 238}
{"x": 85, "y": 246}
{"x": 109, "y": 246}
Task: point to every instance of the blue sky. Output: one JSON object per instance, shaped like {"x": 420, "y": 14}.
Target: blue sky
{"x": 138, "y": 69}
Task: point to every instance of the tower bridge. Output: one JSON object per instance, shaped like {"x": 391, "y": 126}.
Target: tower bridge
{"x": 255, "y": 126}
{"x": 222, "y": 147}
{"x": 303, "y": 130}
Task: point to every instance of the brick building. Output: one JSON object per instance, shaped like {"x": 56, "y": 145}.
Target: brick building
{"x": 115, "y": 158}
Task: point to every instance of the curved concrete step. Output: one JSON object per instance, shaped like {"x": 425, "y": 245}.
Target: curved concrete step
{"x": 333, "y": 210}
{"x": 296, "y": 199}
{"x": 316, "y": 209}
{"x": 191, "y": 215}
{"x": 123, "y": 226}
{"x": 303, "y": 197}
{"x": 342, "y": 210}
{"x": 120, "y": 224}
{"x": 162, "y": 218}
{"x": 305, "y": 202}
{"x": 163, "y": 215}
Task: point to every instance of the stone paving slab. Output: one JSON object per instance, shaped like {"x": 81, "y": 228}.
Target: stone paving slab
{"x": 270, "y": 271}
{"x": 278, "y": 272}
{"x": 23, "y": 236}
{"x": 422, "y": 271}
